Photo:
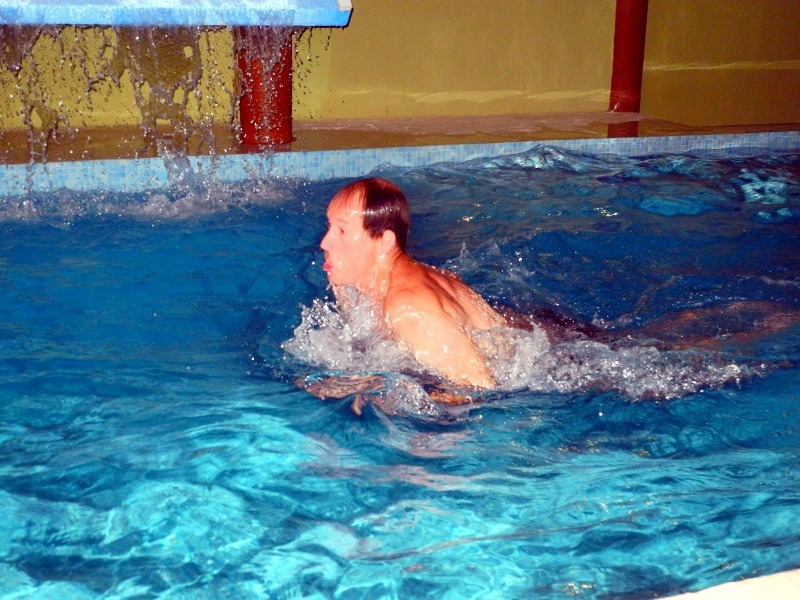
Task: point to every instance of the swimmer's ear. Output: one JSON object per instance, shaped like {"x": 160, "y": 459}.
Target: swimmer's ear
{"x": 388, "y": 240}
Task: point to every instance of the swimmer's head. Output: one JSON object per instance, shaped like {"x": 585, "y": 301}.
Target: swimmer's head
{"x": 367, "y": 224}
{"x": 383, "y": 205}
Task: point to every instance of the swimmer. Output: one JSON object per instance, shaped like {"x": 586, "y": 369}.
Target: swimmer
{"x": 438, "y": 319}
{"x": 428, "y": 311}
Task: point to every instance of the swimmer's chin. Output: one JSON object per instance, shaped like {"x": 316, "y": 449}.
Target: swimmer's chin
{"x": 330, "y": 273}
{"x": 331, "y": 276}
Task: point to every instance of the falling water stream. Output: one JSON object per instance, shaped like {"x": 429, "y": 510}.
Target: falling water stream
{"x": 172, "y": 81}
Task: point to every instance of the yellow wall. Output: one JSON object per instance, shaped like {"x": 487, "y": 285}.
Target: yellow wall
{"x": 445, "y": 57}
{"x": 76, "y": 76}
{"x": 723, "y": 62}
{"x": 396, "y": 58}
{"x": 707, "y": 62}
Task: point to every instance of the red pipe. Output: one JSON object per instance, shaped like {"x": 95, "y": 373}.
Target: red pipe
{"x": 265, "y": 106}
{"x": 626, "y": 73}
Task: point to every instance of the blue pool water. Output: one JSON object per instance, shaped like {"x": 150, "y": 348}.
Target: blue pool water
{"x": 154, "y": 443}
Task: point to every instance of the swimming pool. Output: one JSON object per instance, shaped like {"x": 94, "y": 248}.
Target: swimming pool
{"x": 154, "y": 441}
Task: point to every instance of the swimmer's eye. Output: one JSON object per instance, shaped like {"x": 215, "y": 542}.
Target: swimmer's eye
{"x": 339, "y": 228}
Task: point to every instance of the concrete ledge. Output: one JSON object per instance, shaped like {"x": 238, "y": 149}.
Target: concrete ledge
{"x": 780, "y": 586}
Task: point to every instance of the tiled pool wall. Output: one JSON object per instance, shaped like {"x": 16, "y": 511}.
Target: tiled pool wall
{"x": 136, "y": 175}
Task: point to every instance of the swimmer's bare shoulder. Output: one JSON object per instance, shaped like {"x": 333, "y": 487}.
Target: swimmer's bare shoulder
{"x": 429, "y": 322}
{"x": 470, "y": 309}
{"x": 454, "y": 296}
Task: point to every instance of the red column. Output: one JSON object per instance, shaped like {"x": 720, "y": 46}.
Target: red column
{"x": 264, "y": 57}
{"x": 626, "y": 73}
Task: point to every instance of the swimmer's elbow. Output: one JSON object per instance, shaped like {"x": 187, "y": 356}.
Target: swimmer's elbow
{"x": 475, "y": 375}
{"x": 486, "y": 382}
{"x": 479, "y": 378}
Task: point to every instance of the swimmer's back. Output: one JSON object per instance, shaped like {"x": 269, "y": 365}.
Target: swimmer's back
{"x": 431, "y": 312}
{"x": 456, "y": 299}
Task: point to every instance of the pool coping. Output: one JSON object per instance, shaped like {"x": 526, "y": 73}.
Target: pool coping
{"x": 145, "y": 174}
{"x": 778, "y": 586}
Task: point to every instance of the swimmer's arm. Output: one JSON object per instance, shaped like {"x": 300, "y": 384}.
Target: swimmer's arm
{"x": 435, "y": 340}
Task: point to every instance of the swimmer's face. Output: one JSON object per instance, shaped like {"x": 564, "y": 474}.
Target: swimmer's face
{"x": 349, "y": 250}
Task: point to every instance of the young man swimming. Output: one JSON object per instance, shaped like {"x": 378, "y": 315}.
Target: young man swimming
{"x": 428, "y": 311}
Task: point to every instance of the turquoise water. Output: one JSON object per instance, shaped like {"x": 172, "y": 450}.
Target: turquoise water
{"x": 153, "y": 442}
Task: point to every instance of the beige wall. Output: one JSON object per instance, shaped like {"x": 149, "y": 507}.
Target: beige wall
{"x": 396, "y": 58}
{"x": 76, "y": 77}
{"x": 707, "y": 62}
{"x": 723, "y": 62}
{"x": 445, "y": 57}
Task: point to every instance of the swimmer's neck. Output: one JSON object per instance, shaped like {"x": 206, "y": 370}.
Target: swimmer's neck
{"x": 380, "y": 281}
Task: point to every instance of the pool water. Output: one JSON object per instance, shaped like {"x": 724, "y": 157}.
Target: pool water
{"x": 154, "y": 441}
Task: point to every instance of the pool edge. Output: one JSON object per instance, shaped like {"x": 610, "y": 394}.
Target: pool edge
{"x": 778, "y": 586}
{"x": 143, "y": 174}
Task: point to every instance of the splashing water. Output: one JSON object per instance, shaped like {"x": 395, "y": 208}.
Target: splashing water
{"x": 350, "y": 341}
{"x": 520, "y": 359}
{"x": 179, "y": 85}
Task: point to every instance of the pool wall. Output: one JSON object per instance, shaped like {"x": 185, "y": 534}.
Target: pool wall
{"x": 715, "y": 62}
{"x": 152, "y": 173}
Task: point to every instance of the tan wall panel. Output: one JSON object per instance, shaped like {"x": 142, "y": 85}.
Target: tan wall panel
{"x": 396, "y": 58}
{"x": 707, "y": 62}
{"x": 417, "y": 57}
{"x": 58, "y": 80}
{"x": 723, "y": 62}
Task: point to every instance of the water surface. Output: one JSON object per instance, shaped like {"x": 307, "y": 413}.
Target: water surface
{"x": 153, "y": 442}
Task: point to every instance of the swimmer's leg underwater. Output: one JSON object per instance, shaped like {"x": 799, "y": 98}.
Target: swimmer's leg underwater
{"x": 733, "y": 324}
{"x": 709, "y": 327}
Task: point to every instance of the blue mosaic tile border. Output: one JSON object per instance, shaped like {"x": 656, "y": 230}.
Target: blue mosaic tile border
{"x": 176, "y": 12}
{"x": 151, "y": 173}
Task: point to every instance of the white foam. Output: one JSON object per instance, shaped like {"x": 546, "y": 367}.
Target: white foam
{"x": 638, "y": 371}
{"x": 197, "y": 195}
{"x": 328, "y": 339}
{"x": 353, "y": 341}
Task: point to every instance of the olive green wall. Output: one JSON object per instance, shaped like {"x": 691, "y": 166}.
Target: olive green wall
{"x": 707, "y": 62}
{"x": 722, "y": 62}
{"x": 395, "y": 58}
